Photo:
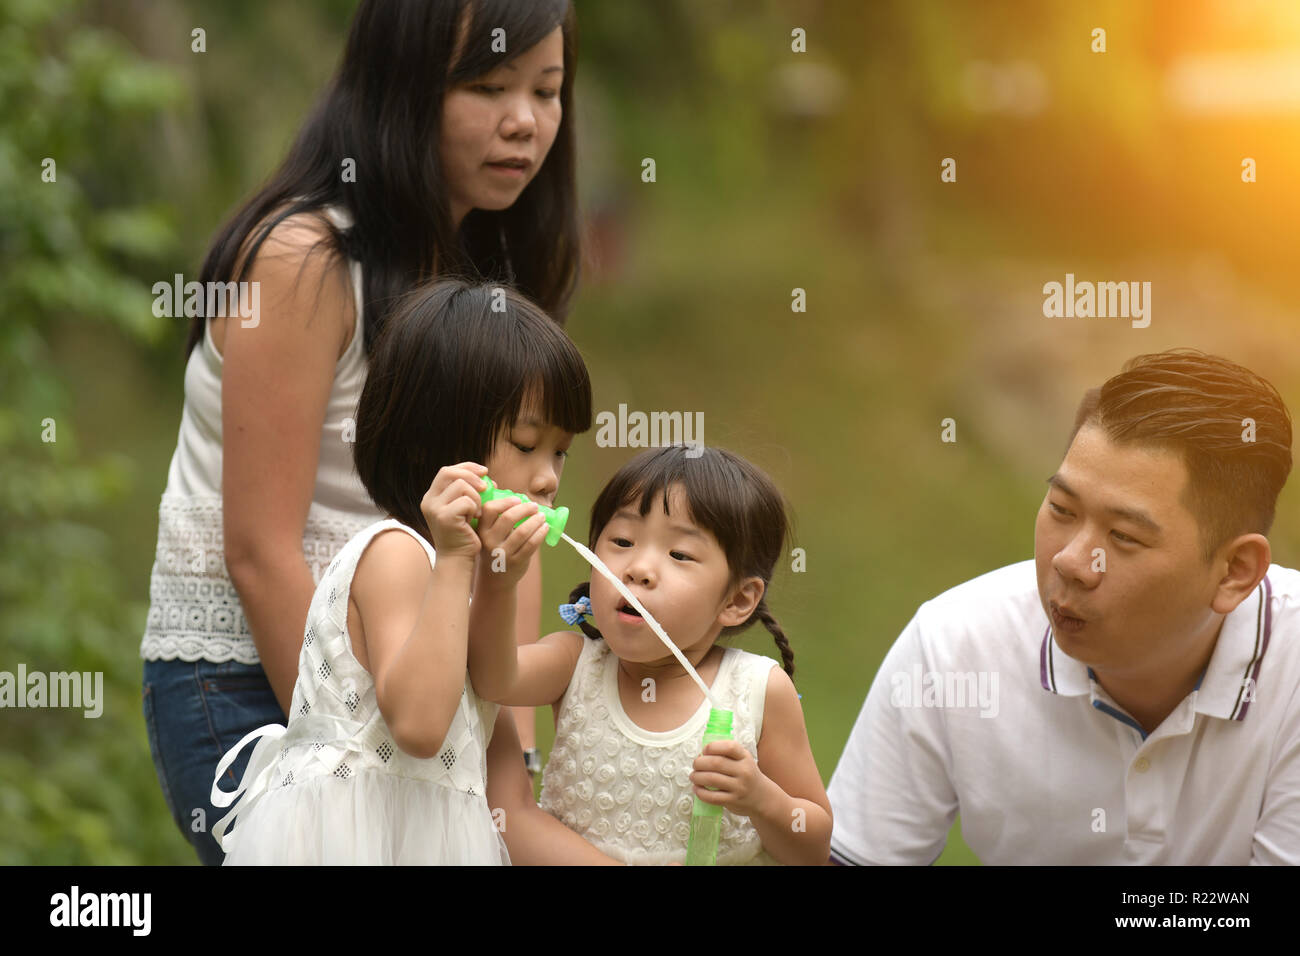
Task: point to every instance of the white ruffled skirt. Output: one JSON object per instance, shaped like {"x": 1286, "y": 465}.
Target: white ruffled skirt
{"x": 368, "y": 817}
{"x": 371, "y": 818}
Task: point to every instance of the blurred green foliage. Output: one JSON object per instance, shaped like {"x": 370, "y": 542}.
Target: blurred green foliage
{"x": 72, "y": 789}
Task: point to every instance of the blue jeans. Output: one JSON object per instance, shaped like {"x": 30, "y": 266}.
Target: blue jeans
{"x": 196, "y": 711}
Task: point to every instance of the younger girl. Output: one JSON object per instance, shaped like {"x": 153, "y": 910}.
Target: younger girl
{"x": 383, "y": 759}
{"x": 696, "y": 540}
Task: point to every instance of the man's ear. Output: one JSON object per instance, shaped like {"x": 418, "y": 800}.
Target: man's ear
{"x": 1247, "y": 558}
{"x": 743, "y": 599}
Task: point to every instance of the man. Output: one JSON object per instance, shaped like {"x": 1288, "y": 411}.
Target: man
{"x": 1133, "y": 694}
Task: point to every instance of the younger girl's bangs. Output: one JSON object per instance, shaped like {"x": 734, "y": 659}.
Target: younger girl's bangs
{"x": 715, "y": 497}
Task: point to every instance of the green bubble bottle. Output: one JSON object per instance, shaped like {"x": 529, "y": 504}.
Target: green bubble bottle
{"x": 556, "y": 518}
{"x": 706, "y": 818}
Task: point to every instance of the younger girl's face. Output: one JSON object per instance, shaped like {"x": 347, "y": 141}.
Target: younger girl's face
{"x": 529, "y": 456}
{"x": 498, "y": 128}
{"x": 676, "y": 569}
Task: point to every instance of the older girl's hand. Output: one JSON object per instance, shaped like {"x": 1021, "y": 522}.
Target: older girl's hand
{"x": 449, "y": 504}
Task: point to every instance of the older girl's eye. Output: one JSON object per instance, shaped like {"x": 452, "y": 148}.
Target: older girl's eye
{"x": 621, "y": 542}
{"x": 524, "y": 448}
{"x": 485, "y": 88}
{"x": 548, "y": 94}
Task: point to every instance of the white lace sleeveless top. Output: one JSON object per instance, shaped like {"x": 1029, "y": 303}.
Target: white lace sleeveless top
{"x": 194, "y": 611}
{"x": 627, "y": 790}
{"x": 335, "y": 726}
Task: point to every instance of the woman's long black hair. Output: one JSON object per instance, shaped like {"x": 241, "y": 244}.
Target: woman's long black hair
{"x": 383, "y": 110}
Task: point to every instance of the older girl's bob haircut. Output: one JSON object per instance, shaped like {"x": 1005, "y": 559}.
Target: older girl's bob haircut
{"x": 448, "y": 377}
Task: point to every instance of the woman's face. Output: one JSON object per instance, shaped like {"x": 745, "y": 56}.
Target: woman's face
{"x": 498, "y": 128}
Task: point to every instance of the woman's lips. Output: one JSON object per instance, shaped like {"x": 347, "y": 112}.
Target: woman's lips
{"x": 514, "y": 172}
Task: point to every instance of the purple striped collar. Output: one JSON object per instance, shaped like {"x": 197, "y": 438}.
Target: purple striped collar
{"x": 1230, "y": 682}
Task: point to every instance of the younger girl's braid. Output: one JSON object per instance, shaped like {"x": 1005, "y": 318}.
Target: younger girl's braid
{"x": 783, "y": 645}
{"x": 581, "y": 591}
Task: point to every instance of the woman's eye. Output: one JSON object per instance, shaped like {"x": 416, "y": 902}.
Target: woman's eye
{"x": 1057, "y": 509}
{"x": 485, "y": 88}
{"x": 548, "y": 94}
{"x": 1125, "y": 539}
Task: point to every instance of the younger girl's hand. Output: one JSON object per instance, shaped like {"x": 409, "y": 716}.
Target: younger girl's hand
{"x": 507, "y": 549}
{"x": 740, "y": 786}
{"x": 449, "y": 504}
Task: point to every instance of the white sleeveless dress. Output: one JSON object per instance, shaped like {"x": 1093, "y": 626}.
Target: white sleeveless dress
{"x": 333, "y": 787}
{"x": 626, "y": 790}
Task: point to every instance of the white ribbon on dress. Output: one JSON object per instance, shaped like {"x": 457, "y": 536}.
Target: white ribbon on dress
{"x": 256, "y": 776}
{"x": 330, "y": 738}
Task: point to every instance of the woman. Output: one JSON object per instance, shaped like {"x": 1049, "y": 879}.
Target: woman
{"x": 442, "y": 145}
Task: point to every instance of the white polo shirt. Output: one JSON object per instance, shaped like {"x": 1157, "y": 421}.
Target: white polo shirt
{"x": 976, "y": 710}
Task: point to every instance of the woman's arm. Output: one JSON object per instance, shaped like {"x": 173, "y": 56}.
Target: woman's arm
{"x": 533, "y": 836}
{"x": 276, "y": 380}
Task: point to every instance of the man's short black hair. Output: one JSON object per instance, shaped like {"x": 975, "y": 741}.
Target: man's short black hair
{"x": 1228, "y": 424}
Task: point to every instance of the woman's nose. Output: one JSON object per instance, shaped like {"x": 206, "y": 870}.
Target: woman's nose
{"x": 520, "y": 121}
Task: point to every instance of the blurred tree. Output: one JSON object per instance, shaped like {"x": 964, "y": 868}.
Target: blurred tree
{"x": 72, "y": 789}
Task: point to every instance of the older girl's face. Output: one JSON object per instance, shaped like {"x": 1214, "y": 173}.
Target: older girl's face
{"x": 498, "y": 128}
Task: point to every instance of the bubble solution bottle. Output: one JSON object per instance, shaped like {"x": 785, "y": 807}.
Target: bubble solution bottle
{"x": 706, "y": 818}
{"x": 555, "y": 517}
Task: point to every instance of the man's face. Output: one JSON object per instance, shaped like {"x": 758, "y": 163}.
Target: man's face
{"x": 1120, "y": 507}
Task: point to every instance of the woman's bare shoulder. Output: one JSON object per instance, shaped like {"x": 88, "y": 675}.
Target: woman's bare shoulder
{"x": 298, "y": 274}
{"x": 294, "y": 235}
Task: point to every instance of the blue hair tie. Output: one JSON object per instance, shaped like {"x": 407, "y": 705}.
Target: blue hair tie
{"x": 573, "y": 613}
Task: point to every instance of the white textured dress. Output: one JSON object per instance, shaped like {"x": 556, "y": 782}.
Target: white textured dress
{"x": 626, "y": 790}
{"x": 333, "y": 787}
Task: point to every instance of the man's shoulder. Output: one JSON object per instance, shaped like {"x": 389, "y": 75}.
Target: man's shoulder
{"x": 1284, "y": 616}
{"x": 1284, "y": 582}
{"x": 987, "y": 615}
{"x": 1013, "y": 586}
